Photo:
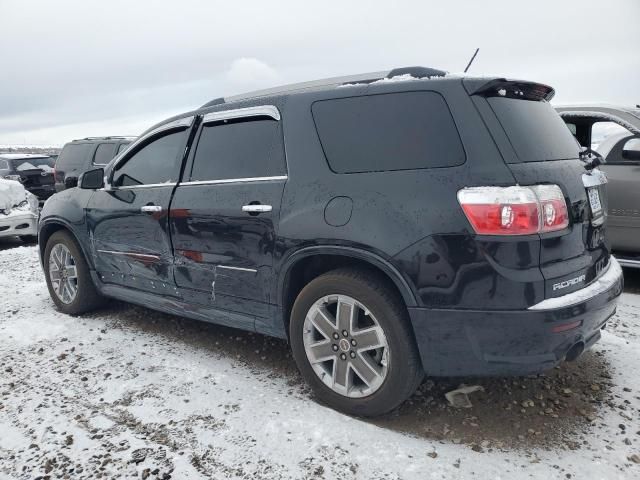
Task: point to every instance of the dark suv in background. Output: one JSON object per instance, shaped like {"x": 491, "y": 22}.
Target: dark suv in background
{"x": 34, "y": 171}
{"x": 81, "y": 155}
{"x": 388, "y": 225}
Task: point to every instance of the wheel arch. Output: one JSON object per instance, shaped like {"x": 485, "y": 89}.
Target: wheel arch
{"x": 308, "y": 263}
{"x": 50, "y": 227}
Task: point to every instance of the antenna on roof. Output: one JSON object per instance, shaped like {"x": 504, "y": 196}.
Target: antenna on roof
{"x": 472, "y": 59}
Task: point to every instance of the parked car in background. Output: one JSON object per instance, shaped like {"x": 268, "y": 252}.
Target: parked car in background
{"x": 34, "y": 171}
{"x": 614, "y": 133}
{"x": 18, "y": 211}
{"x": 388, "y": 225}
{"x": 84, "y": 154}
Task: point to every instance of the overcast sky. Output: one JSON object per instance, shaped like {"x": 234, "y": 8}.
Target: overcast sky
{"x": 81, "y": 68}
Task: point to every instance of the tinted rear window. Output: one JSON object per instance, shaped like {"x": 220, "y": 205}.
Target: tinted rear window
{"x": 74, "y": 154}
{"x": 535, "y": 129}
{"x": 42, "y": 163}
{"x": 396, "y": 131}
{"x": 239, "y": 149}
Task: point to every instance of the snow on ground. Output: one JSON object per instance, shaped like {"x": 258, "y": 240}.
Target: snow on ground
{"x": 127, "y": 392}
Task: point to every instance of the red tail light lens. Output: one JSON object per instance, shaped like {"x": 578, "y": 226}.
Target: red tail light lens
{"x": 514, "y": 210}
{"x": 553, "y": 209}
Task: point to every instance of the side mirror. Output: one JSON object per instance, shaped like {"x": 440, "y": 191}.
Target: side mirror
{"x": 70, "y": 182}
{"x": 631, "y": 150}
{"x": 93, "y": 179}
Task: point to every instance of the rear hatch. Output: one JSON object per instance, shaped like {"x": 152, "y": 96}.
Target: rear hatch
{"x": 35, "y": 172}
{"x": 539, "y": 149}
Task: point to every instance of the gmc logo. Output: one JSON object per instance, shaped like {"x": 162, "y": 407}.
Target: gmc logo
{"x": 568, "y": 283}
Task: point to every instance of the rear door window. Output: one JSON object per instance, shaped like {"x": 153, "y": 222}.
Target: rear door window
{"x": 74, "y": 155}
{"x": 103, "y": 153}
{"x": 535, "y": 129}
{"x": 246, "y": 148}
{"x": 397, "y": 131}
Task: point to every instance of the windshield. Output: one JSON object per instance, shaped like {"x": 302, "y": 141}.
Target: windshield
{"x": 535, "y": 129}
{"x": 40, "y": 163}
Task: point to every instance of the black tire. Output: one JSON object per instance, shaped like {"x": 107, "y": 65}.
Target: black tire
{"x": 29, "y": 238}
{"x": 87, "y": 297}
{"x": 405, "y": 371}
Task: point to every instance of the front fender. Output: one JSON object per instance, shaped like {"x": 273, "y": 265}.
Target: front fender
{"x": 66, "y": 210}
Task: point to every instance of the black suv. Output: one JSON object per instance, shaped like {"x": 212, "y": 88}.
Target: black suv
{"x": 388, "y": 225}
{"x": 81, "y": 155}
{"x": 34, "y": 171}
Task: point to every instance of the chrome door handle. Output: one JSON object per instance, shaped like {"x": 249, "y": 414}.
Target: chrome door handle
{"x": 151, "y": 208}
{"x": 257, "y": 208}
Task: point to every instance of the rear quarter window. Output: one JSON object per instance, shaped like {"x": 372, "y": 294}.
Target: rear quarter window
{"x": 74, "y": 155}
{"x": 395, "y": 131}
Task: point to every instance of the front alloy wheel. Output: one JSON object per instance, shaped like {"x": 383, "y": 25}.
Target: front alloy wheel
{"x": 68, "y": 275}
{"x": 63, "y": 273}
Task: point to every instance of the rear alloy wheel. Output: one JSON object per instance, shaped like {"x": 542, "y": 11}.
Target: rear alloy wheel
{"x": 68, "y": 277}
{"x": 351, "y": 340}
{"x": 346, "y": 346}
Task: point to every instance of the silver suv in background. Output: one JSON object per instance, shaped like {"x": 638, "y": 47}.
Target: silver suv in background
{"x": 614, "y": 133}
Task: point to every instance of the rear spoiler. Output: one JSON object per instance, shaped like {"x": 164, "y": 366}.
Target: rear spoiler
{"x": 501, "y": 87}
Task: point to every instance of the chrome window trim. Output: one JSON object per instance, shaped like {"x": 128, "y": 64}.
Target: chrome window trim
{"x": 235, "y": 180}
{"x": 603, "y": 283}
{"x": 149, "y": 185}
{"x": 258, "y": 111}
{"x": 240, "y": 269}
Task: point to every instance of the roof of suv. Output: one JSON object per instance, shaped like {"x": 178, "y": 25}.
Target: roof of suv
{"x": 628, "y": 117}
{"x": 474, "y": 85}
{"x": 409, "y": 73}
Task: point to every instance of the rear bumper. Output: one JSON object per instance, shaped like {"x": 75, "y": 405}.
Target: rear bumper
{"x": 515, "y": 342}
{"x": 18, "y": 224}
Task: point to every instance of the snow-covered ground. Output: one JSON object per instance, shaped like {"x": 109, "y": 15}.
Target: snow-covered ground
{"x": 127, "y": 392}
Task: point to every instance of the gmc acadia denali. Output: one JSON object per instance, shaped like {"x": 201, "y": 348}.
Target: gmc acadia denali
{"x": 389, "y": 225}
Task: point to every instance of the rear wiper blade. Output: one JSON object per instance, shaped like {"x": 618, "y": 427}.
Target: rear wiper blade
{"x": 591, "y": 158}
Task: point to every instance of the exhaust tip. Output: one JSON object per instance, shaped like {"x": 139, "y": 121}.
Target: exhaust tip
{"x": 574, "y": 352}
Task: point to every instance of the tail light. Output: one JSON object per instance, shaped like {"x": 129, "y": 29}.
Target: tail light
{"x": 514, "y": 210}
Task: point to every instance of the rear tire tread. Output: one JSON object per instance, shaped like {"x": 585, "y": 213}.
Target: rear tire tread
{"x": 369, "y": 283}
